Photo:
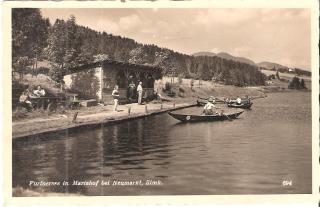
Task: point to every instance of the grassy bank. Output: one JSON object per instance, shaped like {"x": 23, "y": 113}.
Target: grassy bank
{"x": 185, "y": 92}
{"x": 281, "y": 85}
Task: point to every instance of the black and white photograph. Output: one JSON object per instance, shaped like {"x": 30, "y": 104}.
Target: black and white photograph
{"x": 161, "y": 101}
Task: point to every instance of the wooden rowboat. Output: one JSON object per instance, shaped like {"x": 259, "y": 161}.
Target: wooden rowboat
{"x": 196, "y": 118}
{"x": 204, "y": 102}
{"x": 242, "y": 105}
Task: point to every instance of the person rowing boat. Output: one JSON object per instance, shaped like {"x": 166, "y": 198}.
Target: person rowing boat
{"x": 208, "y": 109}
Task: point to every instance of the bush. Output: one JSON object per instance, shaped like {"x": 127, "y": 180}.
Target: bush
{"x": 296, "y": 84}
{"x": 43, "y": 70}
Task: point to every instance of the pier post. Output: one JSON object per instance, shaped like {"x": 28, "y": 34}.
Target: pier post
{"x": 161, "y": 106}
{"x": 75, "y": 117}
{"x": 174, "y": 104}
{"x": 146, "y": 108}
{"x": 129, "y": 110}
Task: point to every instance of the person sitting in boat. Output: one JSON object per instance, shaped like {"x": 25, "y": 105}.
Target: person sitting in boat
{"x": 209, "y": 107}
{"x": 247, "y": 99}
{"x": 238, "y": 100}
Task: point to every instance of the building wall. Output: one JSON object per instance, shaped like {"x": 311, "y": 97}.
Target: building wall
{"x": 107, "y": 76}
{"x": 109, "y": 80}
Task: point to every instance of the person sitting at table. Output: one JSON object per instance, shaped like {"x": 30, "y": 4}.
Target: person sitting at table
{"x": 39, "y": 91}
{"x": 24, "y": 100}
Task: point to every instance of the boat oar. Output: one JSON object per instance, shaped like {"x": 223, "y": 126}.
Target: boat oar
{"x": 200, "y": 97}
{"x": 222, "y": 112}
{"x": 227, "y": 117}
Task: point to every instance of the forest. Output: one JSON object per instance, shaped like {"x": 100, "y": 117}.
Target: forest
{"x": 66, "y": 44}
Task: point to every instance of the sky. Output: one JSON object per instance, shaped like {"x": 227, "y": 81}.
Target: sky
{"x": 276, "y": 35}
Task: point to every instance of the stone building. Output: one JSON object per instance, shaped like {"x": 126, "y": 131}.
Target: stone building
{"x": 111, "y": 73}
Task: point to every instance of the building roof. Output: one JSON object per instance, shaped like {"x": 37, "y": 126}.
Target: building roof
{"x": 126, "y": 65}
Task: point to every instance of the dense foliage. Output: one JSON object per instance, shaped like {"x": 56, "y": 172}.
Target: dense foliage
{"x": 66, "y": 44}
{"x": 29, "y": 37}
{"x": 297, "y": 84}
{"x": 86, "y": 84}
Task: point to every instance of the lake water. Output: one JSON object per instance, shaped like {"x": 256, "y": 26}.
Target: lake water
{"x": 266, "y": 151}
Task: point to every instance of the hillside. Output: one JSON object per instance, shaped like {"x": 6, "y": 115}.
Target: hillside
{"x": 209, "y": 54}
{"x": 226, "y": 56}
{"x": 234, "y": 58}
{"x": 66, "y": 44}
{"x": 270, "y": 65}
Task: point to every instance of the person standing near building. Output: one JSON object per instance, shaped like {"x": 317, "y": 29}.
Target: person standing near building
{"x": 115, "y": 95}
{"x": 140, "y": 90}
{"x": 131, "y": 91}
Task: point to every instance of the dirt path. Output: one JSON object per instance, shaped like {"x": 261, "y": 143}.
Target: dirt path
{"x": 24, "y": 128}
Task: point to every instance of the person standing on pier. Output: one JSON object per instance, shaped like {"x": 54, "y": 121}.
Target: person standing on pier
{"x": 115, "y": 95}
{"x": 139, "y": 90}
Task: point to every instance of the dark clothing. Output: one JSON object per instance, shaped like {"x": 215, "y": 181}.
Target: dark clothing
{"x": 26, "y": 106}
{"x": 131, "y": 91}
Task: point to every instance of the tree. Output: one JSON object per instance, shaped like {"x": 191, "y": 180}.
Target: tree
{"x": 73, "y": 44}
{"x": 295, "y": 83}
{"x": 21, "y": 65}
{"x": 100, "y": 57}
{"x": 64, "y": 47}
{"x": 29, "y": 34}
{"x": 137, "y": 56}
{"x": 302, "y": 84}
{"x": 56, "y": 49}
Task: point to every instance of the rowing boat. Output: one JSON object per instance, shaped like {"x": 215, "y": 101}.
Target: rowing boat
{"x": 204, "y": 102}
{"x": 242, "y": 105}
{"x": 195, "y": 118}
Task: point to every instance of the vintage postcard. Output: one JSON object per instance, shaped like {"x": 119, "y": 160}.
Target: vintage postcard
{"x": 174, "y": 99}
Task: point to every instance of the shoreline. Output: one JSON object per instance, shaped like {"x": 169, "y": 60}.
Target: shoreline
{"x": 99, "y": 116}
{"x": 102, "y": 119}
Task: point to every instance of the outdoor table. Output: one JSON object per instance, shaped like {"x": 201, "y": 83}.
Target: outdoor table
{"x": 40, "y": 102}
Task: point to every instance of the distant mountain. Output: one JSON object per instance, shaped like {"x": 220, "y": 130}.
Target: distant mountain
{"x": 234, "y": 58}
{"x": 270, "y": 65}
{"x": 209, "y": 54}
{"x": 226, "y": 56}
{"x": 264, "y": 64}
